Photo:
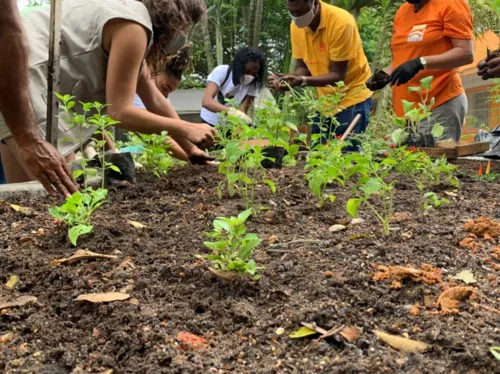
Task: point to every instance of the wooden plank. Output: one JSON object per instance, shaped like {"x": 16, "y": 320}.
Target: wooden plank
{"x": 453, "y": 150}
{"x": 53, "y": 71}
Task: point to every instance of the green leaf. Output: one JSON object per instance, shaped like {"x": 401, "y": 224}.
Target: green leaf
{"x": 115, "y": 168}
{"x": 407, "y": 106}
{"x": 78, "y": 173}
{"x": 271, "y": 185}
{"x": 414, "y": 89}
{"x": 243, "y": 216}
{"x": 427, "y": 82}
{"x": 353, "y": 206}
{"x": 249, "y": 242}
{"x": 302, "y": 333}
{"x": 399, "y": 136}
{"x": 75, "y": 232}
{"x": 495, "y": 351}
{"x": 437, "y": 131}
{"x": 372, "y": 186}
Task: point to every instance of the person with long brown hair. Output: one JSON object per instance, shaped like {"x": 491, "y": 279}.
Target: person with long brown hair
{"x": 105, "y": 48}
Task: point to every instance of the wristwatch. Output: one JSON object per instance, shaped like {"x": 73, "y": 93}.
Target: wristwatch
{"x": 423, "y": 61}
{"x": 304, "y": 81}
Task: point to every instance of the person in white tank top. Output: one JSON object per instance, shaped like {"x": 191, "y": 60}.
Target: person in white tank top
{"x": 104, "y": 47}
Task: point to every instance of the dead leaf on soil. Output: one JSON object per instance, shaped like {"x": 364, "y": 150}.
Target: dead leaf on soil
{"x": 400, "y": 217}
{"x": 402, "y": 344}
{"x": 21, "y": 209}
{"x": 449, "y": 300}
{"x": 427, "y": 274}
{"x": 428, "y": 301}
{"x": 470, "y": 242}
{"x": 465, "y": 276}
{"x": 483, "y": 226}
{"x": 302, "y": 332}
{"x": 110, "y": 371}
{"x": 351, "y": 334}
{"x": 12, "y": 281}
{"x": 6, "y": 302}
{"x": 103, "y": 297}
{"x": 81, "y": 255}
{"x": 134, "y": 301}
{"x": 7, "y": 338}
{"x": 415, "y": 310}
{"x": 127, "y": 263}
{"x": 450, "y": 194}
{"x": 223, "y": 274}
{"x": 137, "y": 225}
{"x": 189, "y": 340}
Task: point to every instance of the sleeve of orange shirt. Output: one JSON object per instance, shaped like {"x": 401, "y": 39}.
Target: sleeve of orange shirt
{"x": 296, "y": 41}
{"x": 343, "y": 37}
{"x": 457, "y": 20}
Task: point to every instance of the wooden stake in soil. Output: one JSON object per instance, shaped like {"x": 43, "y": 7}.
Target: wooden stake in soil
{"x": 350, "y": 128}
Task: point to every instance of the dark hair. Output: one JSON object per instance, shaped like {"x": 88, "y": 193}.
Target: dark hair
{"x": 239, "y": 63}
{"x": 168, "y": 16}
{"x": 176, "y": 64}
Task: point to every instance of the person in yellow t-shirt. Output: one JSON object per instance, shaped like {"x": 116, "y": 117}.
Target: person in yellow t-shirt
{"x": 327, "y": 47}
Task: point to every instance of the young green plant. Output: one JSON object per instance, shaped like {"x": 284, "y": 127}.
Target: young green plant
{"x": 232, "y": 247}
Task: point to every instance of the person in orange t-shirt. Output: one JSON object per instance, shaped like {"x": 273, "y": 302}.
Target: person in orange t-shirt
{"x": 431, "y": 38}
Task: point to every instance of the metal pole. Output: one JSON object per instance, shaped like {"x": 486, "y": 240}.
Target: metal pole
{"x": 53, "y": 71}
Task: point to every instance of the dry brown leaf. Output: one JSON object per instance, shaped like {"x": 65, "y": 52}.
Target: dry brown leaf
{"x": 12, "y": 281}
{"x": 400, "y": 217}
{"x": 7, "y": 338}
{"x": 470, "y": 243}
{"x": 351, "y": 334}
{"x": 449, "y": 300}
{"x": 189, "y": 340}
{"x": 81, "y": 255}
{"x": 21, "y": 209}
{"x": 428, "y": 301}
{"x": 225, "y": 275}
{"x": 483, "y": 226}
{"x": 110, "y": 371}
{"x": 103, "y": 297}
{"x": 496, "y": 267}
{"x": 314, "y": 327}
{"x": 426, "y": 274}
{"x": 137, "y": 225}
{"x": 134, "y": 301}
{"x": 127, "y": 263}
{"x": 6, "y": 302}
{"x": 402, "y": 344}
{"x": 415, "y": 310}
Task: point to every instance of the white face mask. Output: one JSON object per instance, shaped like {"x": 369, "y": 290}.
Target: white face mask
{"x": 248, "y": 79}
{"x": 305, "y": 20}
{"x": 177, "y": 42}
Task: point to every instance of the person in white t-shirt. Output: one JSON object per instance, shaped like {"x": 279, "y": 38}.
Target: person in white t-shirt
{"x": 240, "y": 81}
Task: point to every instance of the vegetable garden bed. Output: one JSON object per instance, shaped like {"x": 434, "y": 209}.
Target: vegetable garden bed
{"x": 312, "y": 275}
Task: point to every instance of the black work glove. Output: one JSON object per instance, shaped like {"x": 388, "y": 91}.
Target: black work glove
{"x": 378, "y": 80}
{"x": 405, "y": 72}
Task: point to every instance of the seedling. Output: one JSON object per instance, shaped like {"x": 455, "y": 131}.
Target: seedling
{"x": 433, "y": 201}
{"x": 77, "y": 211}
{"x": 487, "y": 175}
{"x": 415, "y": 114}
{"x": 155, "y": 156}
{"x": 232, "y": 248}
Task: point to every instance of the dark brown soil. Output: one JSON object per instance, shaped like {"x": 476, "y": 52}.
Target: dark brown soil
{"x": 239, "y": 320}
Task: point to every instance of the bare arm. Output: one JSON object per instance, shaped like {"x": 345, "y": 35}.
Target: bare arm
{"x": 247, "y": 103}
{"x": 40, "y": 158}
{"x": 209, "y": 102}
{"x": 127, "y": 43}
{"x": 461, "y": 54}
{"x": 338, "y": 71}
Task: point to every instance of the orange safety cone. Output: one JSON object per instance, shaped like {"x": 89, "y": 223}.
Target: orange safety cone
{"x": 480, "y": 171}
{"x": 488, "y": 168}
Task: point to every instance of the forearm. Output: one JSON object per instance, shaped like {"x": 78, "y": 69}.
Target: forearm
{"x": 301, "y": 71}
{"x": 144, "y": 122}
{"x": 163, "y": 107}
{"x": 247, "y": 103}
{"x": 176, "y": 150}
{"x": 329, "y": 79}
{"x": 15, "y": 104}
{"x": 214, "y": 106}
{"x": 451, "y": 59}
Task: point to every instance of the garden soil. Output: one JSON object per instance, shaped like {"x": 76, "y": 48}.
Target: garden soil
{"x": 182, "y": 318}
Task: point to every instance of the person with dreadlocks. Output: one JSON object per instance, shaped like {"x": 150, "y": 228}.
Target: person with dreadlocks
{"x": 105, "y": 45}
{"x": 240, "y": 81}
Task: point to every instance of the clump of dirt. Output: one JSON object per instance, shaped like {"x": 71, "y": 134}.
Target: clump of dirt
{"x": 449, "y": 300}
{"x": 483, "y": 227}
{"x": 427, "y": 274}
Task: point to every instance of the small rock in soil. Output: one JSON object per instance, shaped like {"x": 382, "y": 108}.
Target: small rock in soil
{"x": 357, "y": 221}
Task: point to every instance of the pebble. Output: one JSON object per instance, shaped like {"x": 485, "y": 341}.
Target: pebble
{"x": 280, "y": 331}
{"x": 357, "y": 221}
{"x": 336, "y": 228}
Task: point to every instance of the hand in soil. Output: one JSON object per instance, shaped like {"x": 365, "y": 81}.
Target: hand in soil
{"x": 378, "y": 80}
{"x": 202, "y": 135}
{"x": 48, "y": 166}
{"x": 198, "y": 157}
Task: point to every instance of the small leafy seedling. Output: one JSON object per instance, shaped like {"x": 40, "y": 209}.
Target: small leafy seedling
{"x": 77, "y": 212}
{"x": 233, "y": 248}
{"x": 433, "y": 201}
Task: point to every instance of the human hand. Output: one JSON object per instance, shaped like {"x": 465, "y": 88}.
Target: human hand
{"x": 378, "y": 80}
{"x": 233, "y": 112}
{"x": 293, "y": 80}
{"x": 47, "y": 165}
{"x": 198, "y": 157}
{"x": 276, "y": 82}
{"x": 489, "y": 69}
{"x": 405, "y": 72}
{"x": 201, "y": 135}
